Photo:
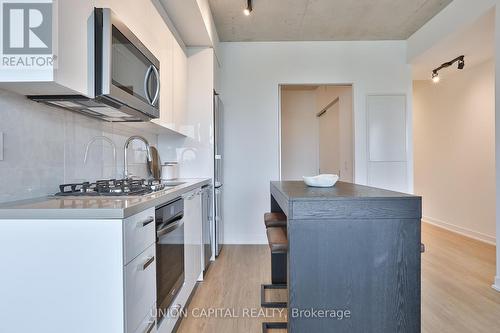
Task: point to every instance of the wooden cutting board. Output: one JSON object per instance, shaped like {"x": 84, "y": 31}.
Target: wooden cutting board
{"x": 155, "y": 164}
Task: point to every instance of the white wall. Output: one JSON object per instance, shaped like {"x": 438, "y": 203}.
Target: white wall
{"x": 454, "y": 147}
{"x": 44, "y": 147}
{"x": 456, "y": 16}
{"x": 250, "y": 79}
{"x": 496, "y": 284}
{"x": 299, "y": 134}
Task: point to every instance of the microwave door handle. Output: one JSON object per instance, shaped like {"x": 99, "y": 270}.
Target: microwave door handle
{"x": 157, "y": 93}
{"x": 146, "y": 80}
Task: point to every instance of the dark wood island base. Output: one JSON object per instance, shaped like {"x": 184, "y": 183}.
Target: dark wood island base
{"x": 353, "y": 259}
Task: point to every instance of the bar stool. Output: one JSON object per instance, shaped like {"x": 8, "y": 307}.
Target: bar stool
{"x": 274, "y": 219}
{"x": 276, "y": 230}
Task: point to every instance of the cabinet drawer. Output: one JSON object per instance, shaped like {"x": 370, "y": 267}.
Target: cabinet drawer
{"x": 140, "y": 288}
{"x": 148, "y": 324}
{"x": 139, "y": 233}
{"x": 167, "y": 324}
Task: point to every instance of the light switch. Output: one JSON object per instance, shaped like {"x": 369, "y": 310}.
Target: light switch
{"x": 1, "y": 146}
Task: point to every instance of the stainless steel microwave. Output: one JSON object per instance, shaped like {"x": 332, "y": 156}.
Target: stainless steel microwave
{"x": 127, "y": 76}
{"x": 126, "y": 71}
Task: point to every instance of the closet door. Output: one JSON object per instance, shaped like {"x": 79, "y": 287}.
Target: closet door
{"x": 387, "y": 142}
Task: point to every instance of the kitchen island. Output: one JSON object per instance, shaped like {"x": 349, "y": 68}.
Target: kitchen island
{"x": 353, "y": 259}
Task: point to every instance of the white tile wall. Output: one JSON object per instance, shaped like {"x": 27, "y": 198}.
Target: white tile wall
{"x": 44, "y": 147}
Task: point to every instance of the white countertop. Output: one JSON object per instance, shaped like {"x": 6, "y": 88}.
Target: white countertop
{"x": 94, "y": 207}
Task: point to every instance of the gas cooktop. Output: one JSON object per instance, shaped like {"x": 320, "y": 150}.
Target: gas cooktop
{"x": 112, "y": 187}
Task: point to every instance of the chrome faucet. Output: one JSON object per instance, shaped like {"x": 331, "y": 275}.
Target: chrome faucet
{"x": 103, "y": 138}
{"x": 127, "y": 143}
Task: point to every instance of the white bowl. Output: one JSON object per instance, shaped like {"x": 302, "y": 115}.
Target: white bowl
{"x": 325, "y": 180}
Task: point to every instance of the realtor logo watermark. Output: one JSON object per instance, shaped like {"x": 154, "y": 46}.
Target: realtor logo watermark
{"x": 27, "y": 33}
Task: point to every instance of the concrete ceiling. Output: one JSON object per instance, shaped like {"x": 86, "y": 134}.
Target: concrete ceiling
{"x": 322, "y": 20}
{"x": 476, "y": 42}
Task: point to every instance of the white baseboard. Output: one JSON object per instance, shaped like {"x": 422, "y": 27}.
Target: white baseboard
{"x": 496, "y": 286}
{"x": 461, "y": 230}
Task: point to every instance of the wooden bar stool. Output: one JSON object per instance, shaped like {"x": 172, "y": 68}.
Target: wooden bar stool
{"x": 278, "y": 244}
{"x": 274, "y": 219}
{"x": 276, "y": 231}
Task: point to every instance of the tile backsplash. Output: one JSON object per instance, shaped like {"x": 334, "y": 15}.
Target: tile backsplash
{"x": 45, "y": 147}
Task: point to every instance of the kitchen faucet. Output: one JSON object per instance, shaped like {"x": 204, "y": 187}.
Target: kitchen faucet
{"x": 127, "y": 143}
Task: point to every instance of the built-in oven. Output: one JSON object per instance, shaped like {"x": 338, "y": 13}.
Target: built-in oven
{"x": 126, "y": 71}
{"x": 169, "y": 254}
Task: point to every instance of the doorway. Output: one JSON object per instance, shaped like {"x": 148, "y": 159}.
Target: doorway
{"x": 316, "y": 131}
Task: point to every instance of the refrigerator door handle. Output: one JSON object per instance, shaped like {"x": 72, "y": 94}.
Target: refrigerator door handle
{"x": 218, "y": 181}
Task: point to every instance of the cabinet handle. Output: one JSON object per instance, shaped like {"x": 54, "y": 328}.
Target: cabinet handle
{"x": 189, "y": 197}
{"x": 192, "y": 195}
{"x": 422, "y": 247}
{"x": 147, "y": 263}
{"x": 147, "y": 221}
{"x": 150, "y": 327}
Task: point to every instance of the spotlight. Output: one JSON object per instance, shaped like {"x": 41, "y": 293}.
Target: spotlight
{"x": 461, "y": 63}
{"x": 249, "y": 8}
{"x": 435, "y": 77}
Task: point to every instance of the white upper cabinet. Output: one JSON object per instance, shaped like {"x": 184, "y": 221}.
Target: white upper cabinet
{"x": 180, "y": 90}
{"x": 73, "y": 70}
{"x": 67, "y": 42}
{"x": 148, "y": 25}
{"x": 166, "y": 118}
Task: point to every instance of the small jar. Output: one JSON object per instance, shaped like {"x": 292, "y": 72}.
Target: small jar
{"x": 170, "y": 171}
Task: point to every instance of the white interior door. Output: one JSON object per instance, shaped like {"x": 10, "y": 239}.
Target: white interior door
{"x": 329, "y": 141}
{"x": 387, "y": 147}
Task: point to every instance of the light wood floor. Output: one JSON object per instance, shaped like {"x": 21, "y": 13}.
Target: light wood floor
{"x": 457, "y": 274}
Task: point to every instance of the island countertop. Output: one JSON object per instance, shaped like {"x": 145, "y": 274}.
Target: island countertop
{"x": 53, "y": 207}
{"x": 298, "y": 190}
{"x": 344, "y": 200}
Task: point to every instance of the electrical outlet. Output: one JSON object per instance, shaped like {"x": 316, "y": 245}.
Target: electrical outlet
{"x": 1, "y": 146}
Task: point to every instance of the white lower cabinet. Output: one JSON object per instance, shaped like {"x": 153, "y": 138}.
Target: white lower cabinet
{"x": 108, "y": 275}
{"x": 139, "y": 233}
{"x": 193, "y": 236}
{"x": 139, "y": 256}
{"x": 140, "y": 288}
{"x": 168, "y": 323}
{"x": 148, "y": 323}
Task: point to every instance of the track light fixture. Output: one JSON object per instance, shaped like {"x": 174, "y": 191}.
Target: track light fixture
{"x": 461, "y": 65}
{"x": 249, "y": 8}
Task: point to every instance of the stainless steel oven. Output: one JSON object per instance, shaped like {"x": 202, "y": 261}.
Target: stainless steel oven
{"x": 126, "y": 71}
{"x": 169, "y": 254}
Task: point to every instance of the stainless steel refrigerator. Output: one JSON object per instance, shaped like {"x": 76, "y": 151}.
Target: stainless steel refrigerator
{"x": 218, "y": 173}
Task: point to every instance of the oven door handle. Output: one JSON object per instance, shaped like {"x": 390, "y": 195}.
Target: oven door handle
{"x": 169, "y": 228}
